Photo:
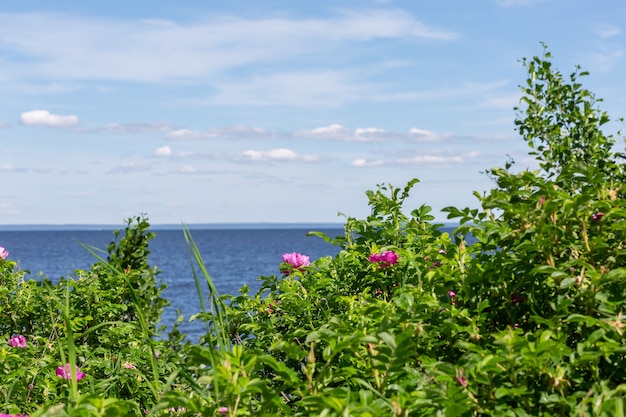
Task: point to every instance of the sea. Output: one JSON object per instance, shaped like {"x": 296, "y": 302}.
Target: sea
{"x": 234, "y": 255}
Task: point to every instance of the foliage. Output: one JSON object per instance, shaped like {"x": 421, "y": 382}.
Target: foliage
{"x": 517, "y": 312}
{"x": 91, "y": 319}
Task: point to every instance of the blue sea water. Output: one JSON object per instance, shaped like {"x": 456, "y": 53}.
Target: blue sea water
{"x": 233, "y": 257}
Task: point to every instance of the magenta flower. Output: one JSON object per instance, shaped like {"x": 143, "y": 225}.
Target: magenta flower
{"x": 66, "y": 372}
{"x": 384, "y": 259}
{"x": 517, "y": 299}
{"x": 296, "y": 260}
{"x": 13, "y": 415}
{"x": 452, "y": 296}
{"x": 462, "y": 381}
{"x": 597, "y": 216}
{"x": 17, "y": 341}
{"x": 222, "y": 410}
{"x": 3, "y": 254}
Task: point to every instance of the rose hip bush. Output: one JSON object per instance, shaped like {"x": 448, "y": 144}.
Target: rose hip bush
{"x": 516, "y": 312}
{"x": 406, "y": 320}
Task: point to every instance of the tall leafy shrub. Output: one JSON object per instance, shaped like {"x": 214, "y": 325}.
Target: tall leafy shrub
{"x": 527, "y": 320}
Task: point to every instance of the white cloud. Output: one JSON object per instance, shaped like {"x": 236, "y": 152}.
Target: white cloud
{"x": 366, "y": 163}
{"x": 242, "y": 130}
{"x": 163, "y": 151}
{"x": 338, "y": 132}
{"x": 181, "y": 134}
{"x": 65, "y": 46}
{"x": 7, "y": 168}
{"x": 281, "y": 154}
{"x": 436, "y": 159}
{"x": 423, "y": 135}
{"x": 229, "y": 131}
{"x": 430, "y": 159}
{"x": 334, "y": 131}
{"x": 45, "y": 118}
{"x": 368, "y": 134}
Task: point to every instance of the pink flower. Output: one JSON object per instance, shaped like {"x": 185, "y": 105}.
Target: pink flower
{"x": 3, "y": 254}
{"x": 13, "y": 415}
{"x": 517, "y": 299}
{"x": 451, "y": 294}
{"x": 385, "y": 259}
{"x": 462, "y": 381}
{"x": 597, "y": 216}
{"x": 17, "y": 341}
{"x": 66, "y": 372}
{"x": 435, "y": 264}
{"x": 222, "y": 410}
{"x": 296, "y": 260}
{"x": 129, "y": 365}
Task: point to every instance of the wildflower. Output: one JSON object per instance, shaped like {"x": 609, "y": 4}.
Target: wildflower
{"x": 222, "y": 410}
{"x": 296, "y": 260}
{"x": 129, "y": 365}
{"x": 3, "y": 254}
{"x": 451, "y": 294}
{"x": 13, "y": 415}
{"x": 435, "y": 264}
{"x": 66, "y": 372}
{"x": 385, "y": 259}
{"x": 597, "y": 216}
{"x": 442, "y": 251}
{"x": 462, "y": 381}
{"x": 517, "y": 299}
{"x": 17, "y": 341}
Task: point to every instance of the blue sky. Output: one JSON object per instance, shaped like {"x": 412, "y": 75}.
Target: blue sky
{"x": 274, "y": 111}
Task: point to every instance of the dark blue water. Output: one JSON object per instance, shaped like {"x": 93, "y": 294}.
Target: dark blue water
{"x": 233, "y": 257}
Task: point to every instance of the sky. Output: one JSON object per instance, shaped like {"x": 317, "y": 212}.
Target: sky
{"x": 275, "y": 111}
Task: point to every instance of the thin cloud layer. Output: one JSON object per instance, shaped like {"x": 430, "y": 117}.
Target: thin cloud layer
{"x": 248, "y": 104}
{"x": 64, "y": 46}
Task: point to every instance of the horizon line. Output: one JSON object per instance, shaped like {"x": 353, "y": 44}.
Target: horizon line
{"x": 110, "y": 226}
{"x": 175, "y": 226}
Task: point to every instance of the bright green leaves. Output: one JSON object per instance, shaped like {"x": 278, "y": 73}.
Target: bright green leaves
{"x": 562, "y": 125}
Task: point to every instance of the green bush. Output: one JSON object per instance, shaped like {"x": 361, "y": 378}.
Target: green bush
{"x": 527, "y": 320}
{"x": 516, "y": 312}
